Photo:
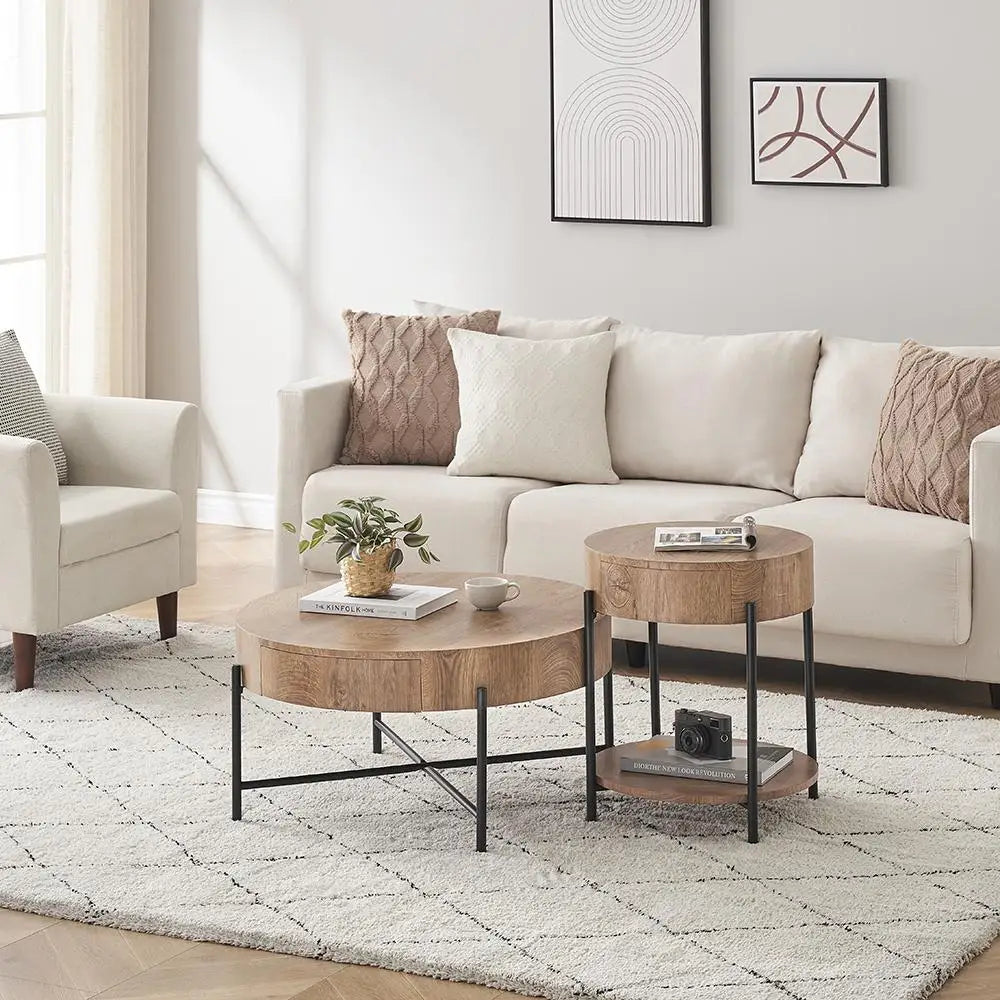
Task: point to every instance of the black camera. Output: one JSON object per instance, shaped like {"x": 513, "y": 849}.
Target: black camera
{"x": 703, "y": 734}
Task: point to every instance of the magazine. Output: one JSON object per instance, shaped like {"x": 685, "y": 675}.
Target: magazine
{"x": 706, "y": 538}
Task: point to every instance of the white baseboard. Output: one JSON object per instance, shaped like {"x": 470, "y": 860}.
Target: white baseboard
{"x": 243, "y": 510}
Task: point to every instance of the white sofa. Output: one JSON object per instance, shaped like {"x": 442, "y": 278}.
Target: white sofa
{"x": 123, "y": 531}
{"x": 784, "y": 428}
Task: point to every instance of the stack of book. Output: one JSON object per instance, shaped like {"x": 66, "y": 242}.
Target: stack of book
{"x": 659, "y": 756}
{"x": 403, "y": 601}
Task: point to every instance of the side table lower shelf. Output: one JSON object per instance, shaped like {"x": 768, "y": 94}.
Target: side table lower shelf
{"x": 796, "y": 777}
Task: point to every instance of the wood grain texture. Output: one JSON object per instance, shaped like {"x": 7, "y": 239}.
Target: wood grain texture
{"x": 799, "y": 775}
{"x": 531, "y": 648}
{"x": 699, "y": 588}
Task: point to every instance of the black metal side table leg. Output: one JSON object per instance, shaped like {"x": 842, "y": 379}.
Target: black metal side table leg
{"x": 590, "y": 720}
{"x": 481, "y": 769}
{"x": 653, "y": 660}
{"x": 376, "y": 732}
{"x": 609, "y": 709}
{"x": 753, "y": 835}
{"x": 809, "y": 661}
{"x": 237, "y": 692}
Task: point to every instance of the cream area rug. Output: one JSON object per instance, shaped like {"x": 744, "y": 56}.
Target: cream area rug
{"x": 115, "y": 809}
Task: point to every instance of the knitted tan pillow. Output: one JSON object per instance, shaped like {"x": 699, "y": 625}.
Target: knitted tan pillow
{"x": 404, "y": 398}
{"x": 937, "y": 404}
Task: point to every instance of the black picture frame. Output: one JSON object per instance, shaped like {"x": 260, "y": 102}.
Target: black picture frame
{"x": 881, "y": 83}
{"x": 706, "y": 134}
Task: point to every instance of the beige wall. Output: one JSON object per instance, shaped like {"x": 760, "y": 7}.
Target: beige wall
{"x": 313, "y": 155}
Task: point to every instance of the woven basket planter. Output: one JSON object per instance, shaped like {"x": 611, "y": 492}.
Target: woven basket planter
{"x": 370, "y": 576}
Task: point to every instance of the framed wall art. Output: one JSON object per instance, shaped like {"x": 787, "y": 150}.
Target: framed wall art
{"x": 630, "y": 111}
{"x": 829, "y": 132}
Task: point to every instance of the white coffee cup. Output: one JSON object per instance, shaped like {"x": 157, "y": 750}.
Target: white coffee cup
{"x": 487, "y": 593}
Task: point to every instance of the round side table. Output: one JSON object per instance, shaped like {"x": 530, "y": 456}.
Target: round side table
{"x": 626, "y": 578}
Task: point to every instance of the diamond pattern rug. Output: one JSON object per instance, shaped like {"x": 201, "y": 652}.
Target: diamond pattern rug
{"x": 115, "y": 810}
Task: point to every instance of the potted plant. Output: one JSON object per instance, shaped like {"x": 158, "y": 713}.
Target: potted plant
{"x": 366, "y": 534}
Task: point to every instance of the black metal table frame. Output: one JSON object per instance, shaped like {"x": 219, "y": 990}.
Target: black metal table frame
{"x": 433, "y": 768}
{"x": 653, "y": 664}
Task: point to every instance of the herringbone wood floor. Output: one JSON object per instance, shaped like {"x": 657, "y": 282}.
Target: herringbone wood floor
{"x": 45, "y": 959}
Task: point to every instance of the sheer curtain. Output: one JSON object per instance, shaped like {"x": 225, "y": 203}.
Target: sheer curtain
{"x": 99, "y": 161}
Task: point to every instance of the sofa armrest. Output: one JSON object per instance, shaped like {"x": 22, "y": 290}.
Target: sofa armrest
{"x": 312, "y": 424}
{"x": 984, "y": 525}
{"x": 29, "y": 537}
{"x": 146, "y": 443}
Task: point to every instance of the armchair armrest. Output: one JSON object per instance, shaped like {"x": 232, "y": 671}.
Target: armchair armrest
{"x": 29, "y": 537}
{"x": 984, "y": 526}
{"x": 312, "y": 424}
{"x": 147, "y": 443}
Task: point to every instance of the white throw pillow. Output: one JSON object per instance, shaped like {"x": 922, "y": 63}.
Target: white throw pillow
{"x": 851, "y": 384}
{"x": 526, "y": 328}
{"x": 532, "y": 408}
{"x": 731, "y": 410}
{"x": 852, "y": 381}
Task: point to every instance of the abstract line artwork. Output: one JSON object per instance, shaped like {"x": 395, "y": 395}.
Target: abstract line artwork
{"x": 819, "y": 132}
{"x": 630, "y": 131}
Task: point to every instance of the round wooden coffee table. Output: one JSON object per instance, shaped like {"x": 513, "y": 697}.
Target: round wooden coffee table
{"x": 456, "y": 658}
{"x": 628, "y": 579}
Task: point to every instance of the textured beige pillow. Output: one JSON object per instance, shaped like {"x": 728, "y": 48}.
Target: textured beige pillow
{"x": 404, "y": 398}
{"x": 937, "y": 404}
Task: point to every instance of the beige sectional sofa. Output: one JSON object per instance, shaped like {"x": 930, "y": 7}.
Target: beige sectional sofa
{"x": 779, "y": 425}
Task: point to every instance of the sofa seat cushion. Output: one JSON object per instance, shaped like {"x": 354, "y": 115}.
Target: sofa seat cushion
{"x": 885, "y": 574}
{"x": 546, "y": 528}
{"x": 466, "y": 517}
{"x": 99, "y": 520}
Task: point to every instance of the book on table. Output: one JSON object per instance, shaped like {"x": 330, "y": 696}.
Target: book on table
{"x": 659, "y": 756}
{"x": 403, "y": 601}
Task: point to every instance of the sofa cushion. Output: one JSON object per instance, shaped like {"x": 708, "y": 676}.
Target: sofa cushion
{"x": 99, "y": 520}
{"x": 546, "y": 528}
{"x": 533, "y": 408}
{"x": 526, "y": 328}
{"x": 710, "y": 409}
{"x": 885, "y": 574}
{"x": 466, "y": 518}
{"x": 852, "y": 381}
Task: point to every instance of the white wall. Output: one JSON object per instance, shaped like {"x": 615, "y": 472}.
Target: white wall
{"x": 313, "y": 155}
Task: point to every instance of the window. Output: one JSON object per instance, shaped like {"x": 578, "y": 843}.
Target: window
{"x": 23, "y": 189}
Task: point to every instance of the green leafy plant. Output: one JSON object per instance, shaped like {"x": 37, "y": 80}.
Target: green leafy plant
{"x": 362, "y": 525}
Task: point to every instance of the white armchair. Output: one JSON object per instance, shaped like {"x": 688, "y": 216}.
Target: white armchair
{"x": 123, "y": 531}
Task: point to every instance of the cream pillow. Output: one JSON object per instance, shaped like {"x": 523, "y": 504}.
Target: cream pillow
{"x": 731, "y": 410}
{"x": 530, "y": 329}
{"x": 532, "y": 408}
{"x": 851, "y": 384}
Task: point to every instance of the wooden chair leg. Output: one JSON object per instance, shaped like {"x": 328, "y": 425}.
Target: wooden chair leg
{"x": 166, "y": 612}
{"x": 25, "y": 648}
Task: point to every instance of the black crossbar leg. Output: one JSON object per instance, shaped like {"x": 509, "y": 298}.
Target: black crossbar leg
{"x": 653, "y": 660}
{"x": 237, "y": 693}
{"x": 481, "y": 769}
{"x": 376, "y": 732}
{"x": 752, "y": 828}
{"x": 809, "y": 660}
{"x": 590, "y": 720}
{"x": 609, "y": 709}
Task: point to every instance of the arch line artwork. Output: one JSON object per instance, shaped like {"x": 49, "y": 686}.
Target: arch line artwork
{"x": 630, "y": 135}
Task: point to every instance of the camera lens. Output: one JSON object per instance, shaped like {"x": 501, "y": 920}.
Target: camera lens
{"x": 692, "y": 739}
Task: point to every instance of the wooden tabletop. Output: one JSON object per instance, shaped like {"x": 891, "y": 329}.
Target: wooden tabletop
{"x": 529, "y": 649}
{"x": 699, "y": 588}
